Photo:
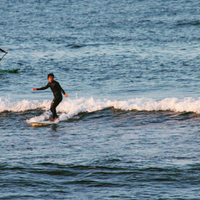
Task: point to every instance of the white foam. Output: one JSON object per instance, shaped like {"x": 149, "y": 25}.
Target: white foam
{"x": 70, "y": 108}
{"x": 44, "y": 117}
{"x": 24, "y": 105}
{"x": 173, "y": 104}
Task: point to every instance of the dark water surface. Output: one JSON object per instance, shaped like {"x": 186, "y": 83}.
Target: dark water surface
{"x": 130, "y": 127}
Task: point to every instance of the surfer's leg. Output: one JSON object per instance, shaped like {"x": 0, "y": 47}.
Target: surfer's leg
{"x": 54, "y": 104}
{"x": 53, "y": 109}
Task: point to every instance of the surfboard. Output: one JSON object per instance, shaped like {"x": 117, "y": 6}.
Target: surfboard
{"x": 43, "y": 123}
{"x": 10, "y": 70}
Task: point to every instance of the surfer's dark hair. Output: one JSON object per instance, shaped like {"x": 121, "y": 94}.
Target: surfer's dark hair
{"x": 51, "y": 74}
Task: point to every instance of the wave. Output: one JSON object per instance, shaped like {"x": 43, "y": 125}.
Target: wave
{"x": 188, "y": 23}
{"x": 70, "y": 108}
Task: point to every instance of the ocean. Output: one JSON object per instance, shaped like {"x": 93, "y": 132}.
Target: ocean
{"x": 130, "y": 127}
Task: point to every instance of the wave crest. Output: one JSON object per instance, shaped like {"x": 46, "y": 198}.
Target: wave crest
{"x": 69, "y": 108}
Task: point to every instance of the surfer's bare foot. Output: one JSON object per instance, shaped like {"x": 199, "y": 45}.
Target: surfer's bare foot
{"x": 52, "y": 120}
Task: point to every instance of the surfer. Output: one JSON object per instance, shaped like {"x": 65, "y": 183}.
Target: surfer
{"x": 56, "y": 89}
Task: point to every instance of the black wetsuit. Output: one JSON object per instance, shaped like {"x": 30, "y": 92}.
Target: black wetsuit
{"x": 56, "y": 89}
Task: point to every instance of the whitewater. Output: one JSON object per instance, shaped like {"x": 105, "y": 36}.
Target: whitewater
{"x": 70, "y": 108}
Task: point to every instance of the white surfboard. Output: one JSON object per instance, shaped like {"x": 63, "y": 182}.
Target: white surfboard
{"x": 43, "y": 123}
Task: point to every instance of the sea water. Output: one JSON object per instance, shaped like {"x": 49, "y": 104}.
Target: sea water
{"x": 130, "y": 128}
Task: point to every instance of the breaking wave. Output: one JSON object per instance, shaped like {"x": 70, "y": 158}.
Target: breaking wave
{"x": 69, "y": 108}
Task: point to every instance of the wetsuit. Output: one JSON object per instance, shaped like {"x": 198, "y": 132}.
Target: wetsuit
{"x": 56, "y": 89}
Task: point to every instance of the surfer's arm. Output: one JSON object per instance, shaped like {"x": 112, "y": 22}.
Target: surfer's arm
{"x": 62, "y": 90}
{"x": 42, "y": 88}
{"x": 3, "y": 51}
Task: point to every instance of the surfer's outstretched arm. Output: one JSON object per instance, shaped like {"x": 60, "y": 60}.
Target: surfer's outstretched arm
{"x": 42, "y": 88}
{"x": 3, "y": 51}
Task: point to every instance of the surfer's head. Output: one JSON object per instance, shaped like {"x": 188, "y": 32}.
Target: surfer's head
{"x": 51, "y": 74}
{"x": 50, "y": 77}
